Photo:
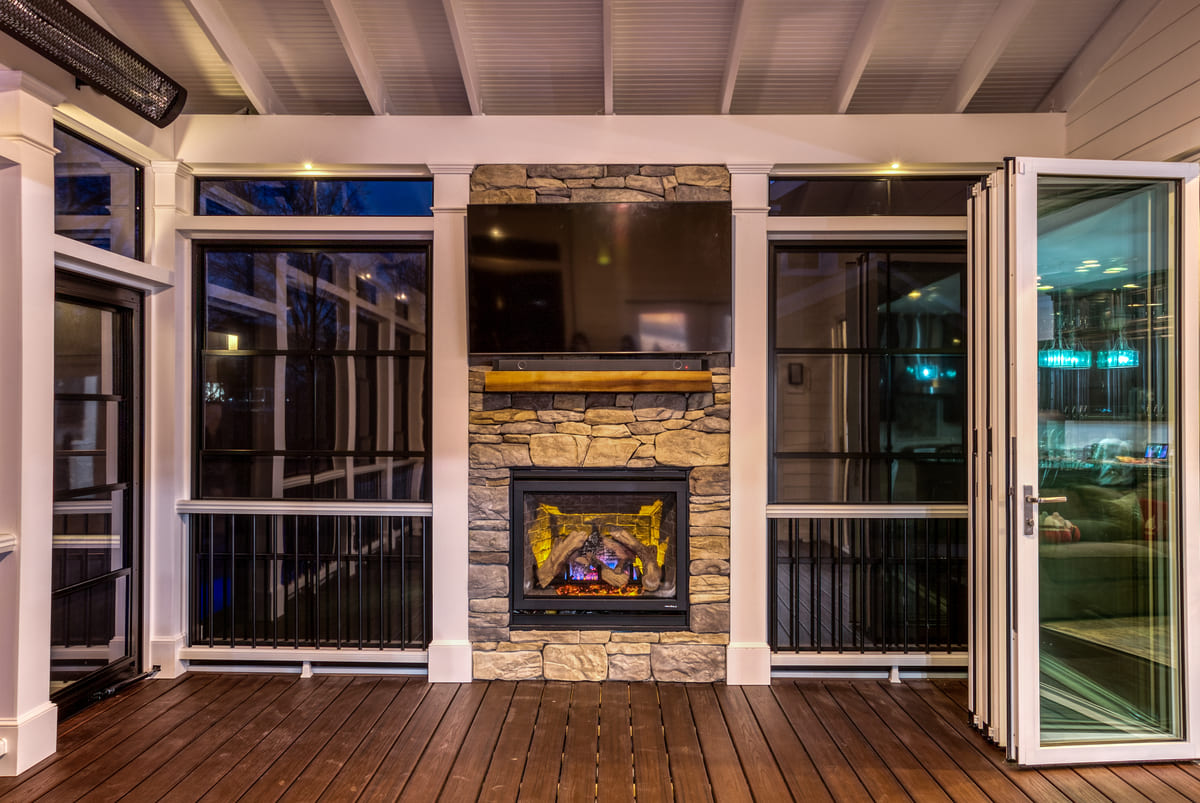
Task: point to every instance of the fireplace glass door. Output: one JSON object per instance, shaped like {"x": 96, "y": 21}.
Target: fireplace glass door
{"x": 599, "y": 541}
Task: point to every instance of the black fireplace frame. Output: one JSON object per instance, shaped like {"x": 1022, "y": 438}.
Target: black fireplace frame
{"x": 628, "y": 613}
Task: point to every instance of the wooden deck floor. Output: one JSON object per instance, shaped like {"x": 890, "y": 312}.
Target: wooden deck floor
{"x": 340, "y": 738}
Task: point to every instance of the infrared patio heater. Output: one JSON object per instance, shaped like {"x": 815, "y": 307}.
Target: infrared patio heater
{"x": 64, "y": 35}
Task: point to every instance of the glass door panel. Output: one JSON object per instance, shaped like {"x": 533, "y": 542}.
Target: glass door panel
{"x": 94, "y": 631}
{"x": 1107, "y": 425}
{"x": 1088, "y": 439}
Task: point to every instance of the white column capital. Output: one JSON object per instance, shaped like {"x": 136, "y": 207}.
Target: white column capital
{"x": 452, "y": 168}
{"x": 749, "y": 190}
{"x": 750, "y": 168}
{"x": 27, "y": 111}
{"x": 451, "y": 189}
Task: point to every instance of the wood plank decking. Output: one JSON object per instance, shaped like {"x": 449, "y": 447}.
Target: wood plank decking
{"x": 217, "y": 737}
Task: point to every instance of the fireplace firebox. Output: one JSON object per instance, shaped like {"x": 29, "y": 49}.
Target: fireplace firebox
{"x": 599, "y": 548}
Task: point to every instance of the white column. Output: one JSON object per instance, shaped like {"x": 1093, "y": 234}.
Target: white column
{"x": 168, "y": 388}
{"x": 749, "y": 656}
{"x": 28, "y": 720}
{"x": 450, "y": 647}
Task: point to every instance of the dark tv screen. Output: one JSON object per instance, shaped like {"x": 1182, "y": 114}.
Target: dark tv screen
{"x": 600, "y": 277}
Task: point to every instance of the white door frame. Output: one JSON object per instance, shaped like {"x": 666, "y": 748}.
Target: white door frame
{"x": 1023, "y": 230}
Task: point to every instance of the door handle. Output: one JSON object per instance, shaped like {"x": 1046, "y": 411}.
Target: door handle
{"x": 1030, "y": 500}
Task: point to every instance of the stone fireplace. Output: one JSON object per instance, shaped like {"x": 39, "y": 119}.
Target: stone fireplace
{"x": 519, "y": 628}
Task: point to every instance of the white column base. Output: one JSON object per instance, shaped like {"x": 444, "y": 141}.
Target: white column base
{"x": 748, "y": 664}
{"x": 164, "y": 653}
{"x": 450, "y": 662}
{"x": 28, "y": 739}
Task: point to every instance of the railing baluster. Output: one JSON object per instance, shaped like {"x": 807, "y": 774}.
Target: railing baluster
{"x": 323, "y": 584}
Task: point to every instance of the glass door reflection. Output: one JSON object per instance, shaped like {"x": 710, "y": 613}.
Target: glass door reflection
{"x": 1107, "y": 384}
{"x": 94, "y": 615}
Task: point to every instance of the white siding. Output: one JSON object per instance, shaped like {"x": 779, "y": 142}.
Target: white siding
{"x": 1145, "y": 103}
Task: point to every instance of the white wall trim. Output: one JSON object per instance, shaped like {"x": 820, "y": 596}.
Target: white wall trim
{"x": 30, "y": 738}
{"x": 252, "y": 655}
{"x": 289, "y": 508}
{"x": 88, "y": 260}
{"x": 748, "y": 664}
{"x": 165, "y": 653}
{"x": 850, "y": 139}
{"x": 874, "y": 227}
{"x": 325, "y": 228}
{"x": 450, "y": 662}
{"x": 955, "y": 660}
{"x": 848, "y": 511}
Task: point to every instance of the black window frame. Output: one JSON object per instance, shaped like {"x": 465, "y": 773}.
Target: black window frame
{"x": 888, "y": 180}
{"x": 888, "y": 246}
{"x": 200, "y": 321}
{"x": 139, "y": 194}
{"x": 200, "y": 181}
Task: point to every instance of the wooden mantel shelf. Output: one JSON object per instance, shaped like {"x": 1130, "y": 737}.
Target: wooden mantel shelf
{"x": 598, "y": 381}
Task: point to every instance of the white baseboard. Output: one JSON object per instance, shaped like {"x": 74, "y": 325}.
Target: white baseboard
{"x": 165, "y": 654}
{"x": 450, "y": 662}
{"x": 28, "y": 738}
{"x": 748, "y": 664}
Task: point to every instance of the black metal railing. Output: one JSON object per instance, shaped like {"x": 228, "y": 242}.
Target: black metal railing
{"x": 868, "y": 584}
{"x": 342, "y": 581}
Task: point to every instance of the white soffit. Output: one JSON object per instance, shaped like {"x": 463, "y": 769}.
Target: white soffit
{"x": 299, "y": 51}
{"x": 1044, "y": 46}
{"x": 176, "y": 44}
{"x": 669, "y": 57}
{"x": 793, "y": 55}
{"x": 414, "y": 52}
{"x": 537, "y": 56}
{"x": 922, "y": 48}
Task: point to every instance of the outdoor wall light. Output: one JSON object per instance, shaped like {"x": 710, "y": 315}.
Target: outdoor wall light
{"x": 66, "y": 36}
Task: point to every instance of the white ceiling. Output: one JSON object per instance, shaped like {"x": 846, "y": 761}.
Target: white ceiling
{"x": 563, "y": 57}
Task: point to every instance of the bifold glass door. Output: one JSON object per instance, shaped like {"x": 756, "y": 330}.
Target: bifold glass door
{"x": 1096, "y": 423}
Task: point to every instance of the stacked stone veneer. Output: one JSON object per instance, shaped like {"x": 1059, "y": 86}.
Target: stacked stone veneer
{"x": 593, "y": 430}
{"x": 556, "y": 184}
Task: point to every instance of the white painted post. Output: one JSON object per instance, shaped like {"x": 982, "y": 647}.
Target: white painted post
{"x": 168, "y": 386}
{"x": 748, "y": 659}
{"x": 450, "y": 647}
{"x": 28, "y": 720}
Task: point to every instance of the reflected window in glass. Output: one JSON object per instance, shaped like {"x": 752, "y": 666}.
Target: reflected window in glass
{"x": 97, "y": 195}
{"x": 314, "y": 363}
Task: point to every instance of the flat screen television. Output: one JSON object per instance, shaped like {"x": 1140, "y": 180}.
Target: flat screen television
{"x": 600, "y": 278}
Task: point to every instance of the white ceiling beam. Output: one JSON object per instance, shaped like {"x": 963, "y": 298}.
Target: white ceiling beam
{"x": 224, "y": 36}
{"x": 733, "y": 62}
{"x": 606, "y": 11}
{"x": 455, "y": 17}
{"x": 866, "y": 36}
{"x": 354, "y": 39}
{"x": 1088, "y": 63}
{"x": 987, "y": 51}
